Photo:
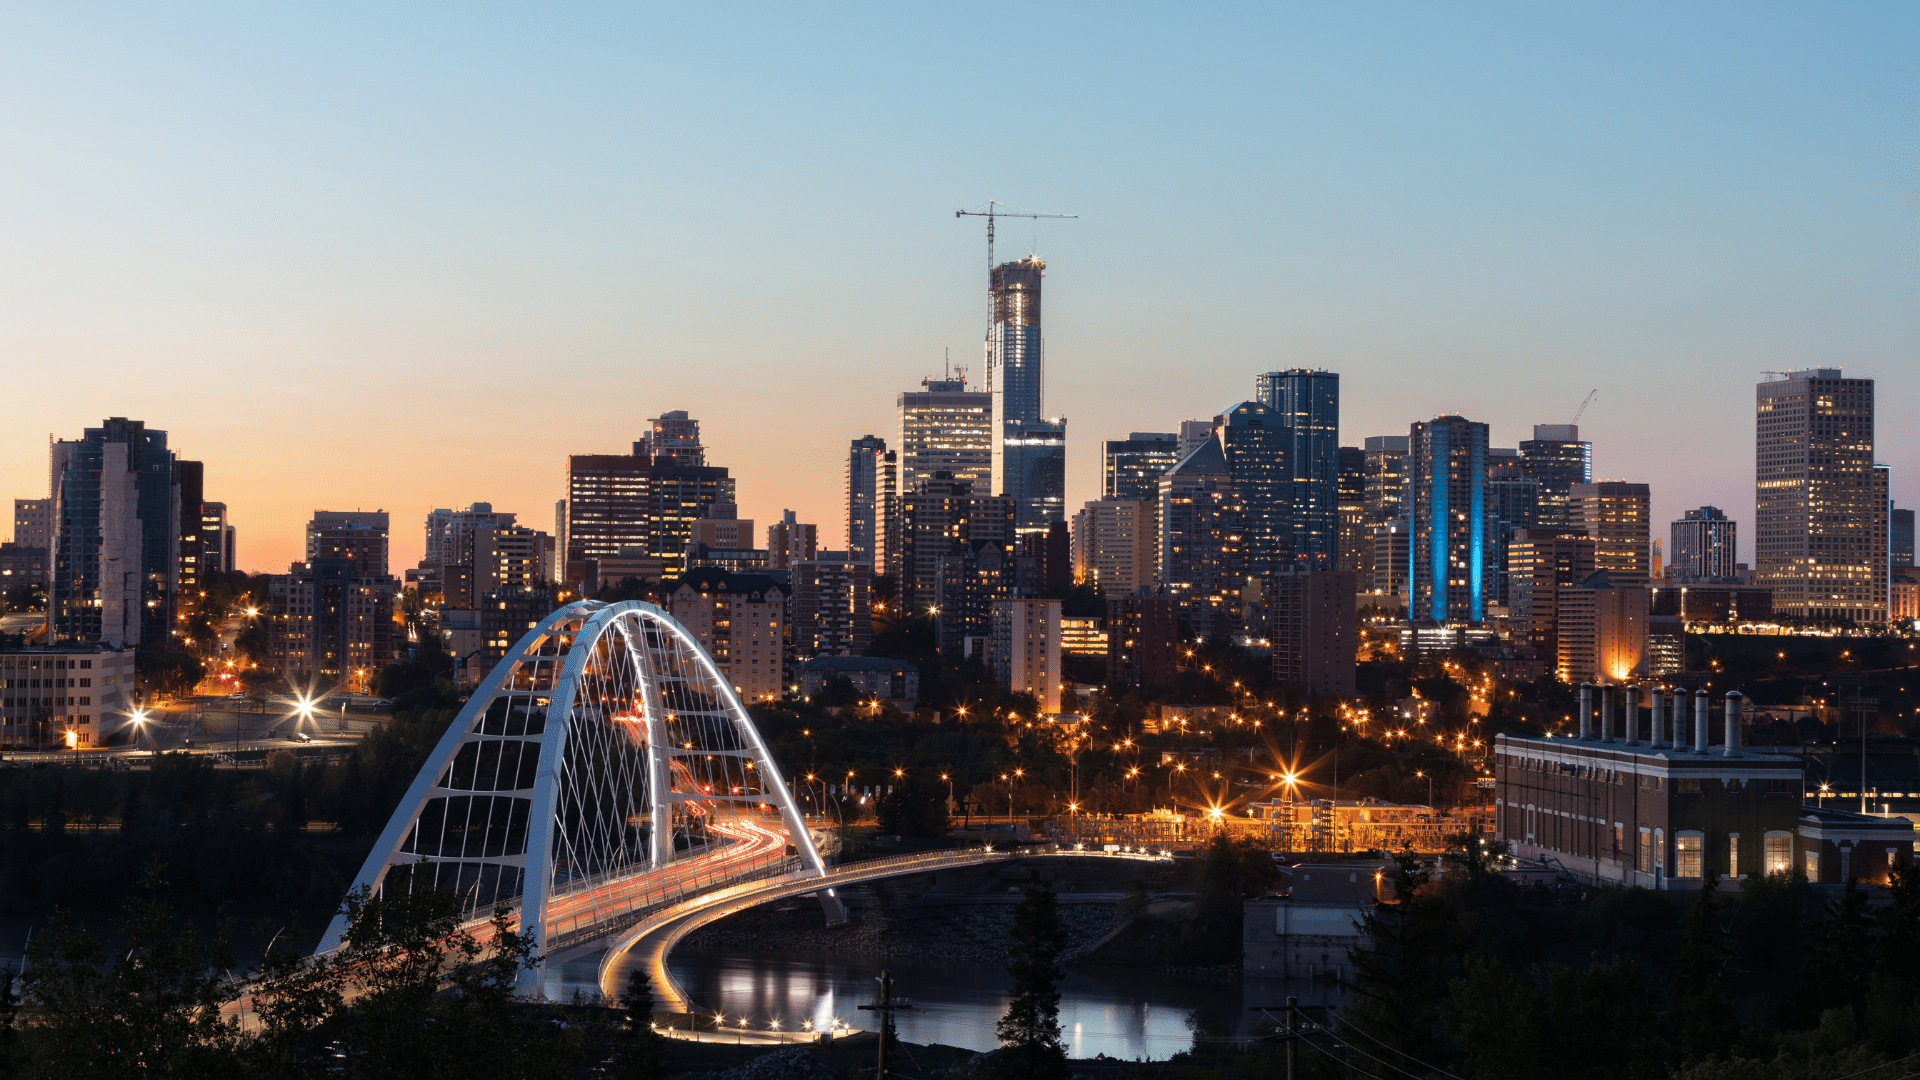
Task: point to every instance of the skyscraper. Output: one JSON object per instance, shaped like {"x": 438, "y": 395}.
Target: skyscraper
{"x": 1557, "y": 458}
{"x": 1356, "y": 533}
{"x": 1821, "y": 515}
{"x": 1030, "y": 467}
{"x": 1447, "y": 517}
{"x": 358, "y": 536}
{"x": 1255, "y": 448}
{"x": 942, "y": 514}
{"x": 1618, "y": 516}
{"x": 1513, "y": 505}
{"x": 1131, "y": 467}
{"x": 1029, "y": 448}
{"x": 1902, "y": 538}
{"x": 607, "y": 510}
{"x": 115, "y": 558}
{"x": 1313, "y": 630}
{"x": 1386, "y": 493}
{"x": 1702, "y": 545}
{"x": 1203, "y": 540}
{"x": 944, "y": 427}
{"x": 873, "y": 477}
{"x": 1307, "y": 404}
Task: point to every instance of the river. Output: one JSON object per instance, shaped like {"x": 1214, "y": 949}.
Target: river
{"x": 1122, "y": 1013}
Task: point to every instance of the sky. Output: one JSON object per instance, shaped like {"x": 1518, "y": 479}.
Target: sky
{"x": 360, "y": 256}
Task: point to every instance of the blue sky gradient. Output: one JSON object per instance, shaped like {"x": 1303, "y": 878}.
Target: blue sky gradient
{"x": 404, "y": 256}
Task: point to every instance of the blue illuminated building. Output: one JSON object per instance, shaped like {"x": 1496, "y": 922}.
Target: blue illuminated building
{"x": 1450, "y": 566}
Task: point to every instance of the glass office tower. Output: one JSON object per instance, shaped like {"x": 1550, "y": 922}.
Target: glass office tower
{"x": 1029, "y": 448}
{"x": 1307, "y": 404}
{"x": 1256, "y": 446}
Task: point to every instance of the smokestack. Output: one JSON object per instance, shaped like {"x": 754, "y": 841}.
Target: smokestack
{"x": 1606, "y": 712}
{"x": 1678, "y": 729}
{"x": 1633, "y": 716}
{"x": 1735, "y": 699}
{"x": 1701, "y": 707}
{"x": 1586, "y": 710}
{"x": 1657, "y": 736}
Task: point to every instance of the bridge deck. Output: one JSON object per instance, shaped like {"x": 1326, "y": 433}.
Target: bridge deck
{"x": 647, "y": 944}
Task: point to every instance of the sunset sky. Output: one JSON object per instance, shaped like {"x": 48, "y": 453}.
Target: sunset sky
{"x": 406, "y": 256}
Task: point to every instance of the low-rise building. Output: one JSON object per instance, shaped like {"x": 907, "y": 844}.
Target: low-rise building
{"x": 1645, "y": 804}
{"x": 1307, "y": 934}
{"x": 64, "y": 696}
{"x": 874, "y": 677}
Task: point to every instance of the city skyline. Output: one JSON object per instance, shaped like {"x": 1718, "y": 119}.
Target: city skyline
{"x": 339, "y": 339}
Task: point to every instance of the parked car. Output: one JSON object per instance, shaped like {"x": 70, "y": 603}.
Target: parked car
{"x": 383, "y": 703}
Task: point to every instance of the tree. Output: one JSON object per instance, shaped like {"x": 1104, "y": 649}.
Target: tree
{"x": 1399, "y": 981}
{"x": 152, "y": 1011}
{"x": 1844, "y": 949}
{"x": 637, "y": 1047}
{"x": 174, "y": 674}
{"x": 1029, "y": 1032}
{"x": 1702, "y": 1006}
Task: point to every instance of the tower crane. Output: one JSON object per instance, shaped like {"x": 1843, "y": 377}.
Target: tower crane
{"x": 1584, "y": 402}
{"x": 992, "y": 210}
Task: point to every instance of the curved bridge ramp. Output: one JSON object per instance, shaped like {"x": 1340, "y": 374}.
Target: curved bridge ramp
{"x": 648, "y": 943}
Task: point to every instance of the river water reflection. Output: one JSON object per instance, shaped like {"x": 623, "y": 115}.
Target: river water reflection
{"x": 1121, "y": 1013}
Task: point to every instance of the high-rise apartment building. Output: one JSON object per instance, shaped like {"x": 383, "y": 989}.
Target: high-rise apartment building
{"x": 974, "y": 577}
{"x": 1131, "y": 467}
{"x": 678, "y": 496}
{"x": 1702, "y": 546}
{"x": 1306, "y": 403}
{"x": 357, "y": 536}
{"x": 832, "y": 605}
{"x": 1447, "y": 516}
{"x": 873, "y": 492}
{"x": 1541, "y": 563}
{"x": 1602, "y": 631}
{"x": 1115, "y": 545}
{"x": 1557, "y": 458}
{"x": 1513, "y": 504}
{"x": 115, "y": 553}
{"x": 189, "y": 490}
{"x": 1192, "y": 434}
{"x": 1392, "y": 557}
{"x": 674, "y": 437}
{"x": 216, "y": 537}
{"x": 330, "y": 618}
{"x": 944, "y": 427}
{"x": 1820, "y": 521}
{"x": 1025, "y": 650}
{"x": 791, "y": 540}
{"x": 449, "y": 533}
{"x": 1143, "y": 632}
{"x": 1386, "y": 483}
{"x": 1618, "y": 516}
{"x": 1313, "y": 629}
{"x": 1203, "y": 540}
{"x": 1255, "y": 448}
{"x": 941, "y": 515}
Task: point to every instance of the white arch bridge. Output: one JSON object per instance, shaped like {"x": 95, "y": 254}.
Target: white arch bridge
{"x": 606, "y": 783}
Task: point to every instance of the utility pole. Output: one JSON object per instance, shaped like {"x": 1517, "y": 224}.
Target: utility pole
{"x": 886, "y": 1007}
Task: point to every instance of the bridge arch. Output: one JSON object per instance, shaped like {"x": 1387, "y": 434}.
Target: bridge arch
{"x": 602, "y": 770}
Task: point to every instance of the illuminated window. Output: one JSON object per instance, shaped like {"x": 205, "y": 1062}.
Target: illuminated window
{"x": 1688, "y": 848}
